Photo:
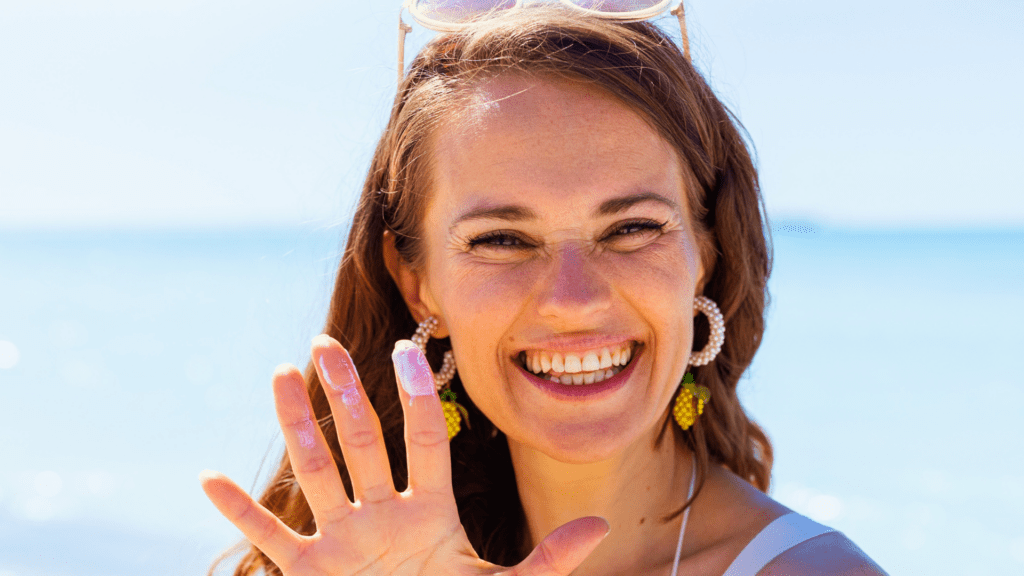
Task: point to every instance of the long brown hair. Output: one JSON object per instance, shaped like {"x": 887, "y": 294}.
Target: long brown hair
{"x": 641, "y": 67}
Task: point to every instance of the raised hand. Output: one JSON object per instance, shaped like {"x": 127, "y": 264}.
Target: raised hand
{"x": 415, "y": 532}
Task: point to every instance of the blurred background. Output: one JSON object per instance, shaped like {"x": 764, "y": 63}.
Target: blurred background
{"x": 176, "y": 182}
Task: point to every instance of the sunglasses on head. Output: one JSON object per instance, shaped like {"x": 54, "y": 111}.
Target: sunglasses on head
{"x": 454, "y": 15}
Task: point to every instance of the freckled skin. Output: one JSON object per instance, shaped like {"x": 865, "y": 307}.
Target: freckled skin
{"x": 562, "y": 149}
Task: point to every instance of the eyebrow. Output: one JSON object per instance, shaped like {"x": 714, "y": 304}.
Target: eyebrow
{"x": 520, "y": 213}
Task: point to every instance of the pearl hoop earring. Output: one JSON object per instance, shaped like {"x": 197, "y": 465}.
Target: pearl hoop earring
{"x": 717, "y": 322}
{"x": 453, "y": 411}
{"x": 425, "y": 330}
{"x": 684, "y": 410}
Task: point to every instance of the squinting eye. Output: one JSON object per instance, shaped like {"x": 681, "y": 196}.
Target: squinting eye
{"x": 496, "y": 240}
{"x": 641, "y": 226}
{"x": 503, "y": 240}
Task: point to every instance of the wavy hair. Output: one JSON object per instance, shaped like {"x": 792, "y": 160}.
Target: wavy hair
{"x": 637, "y": 64}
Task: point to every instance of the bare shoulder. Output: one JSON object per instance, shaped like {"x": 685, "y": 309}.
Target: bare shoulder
{"x": 831, "y": 554}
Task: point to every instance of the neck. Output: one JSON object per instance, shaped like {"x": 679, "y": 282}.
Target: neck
{"x": 632, "y": 490}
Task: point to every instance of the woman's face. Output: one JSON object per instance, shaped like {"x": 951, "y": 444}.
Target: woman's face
{"x": 586, "y": 244}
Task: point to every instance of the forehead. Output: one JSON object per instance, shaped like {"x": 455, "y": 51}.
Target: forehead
{"x": 547, "y": 139}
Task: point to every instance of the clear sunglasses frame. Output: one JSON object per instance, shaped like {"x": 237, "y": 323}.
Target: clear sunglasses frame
{"x": 440, "y": 26}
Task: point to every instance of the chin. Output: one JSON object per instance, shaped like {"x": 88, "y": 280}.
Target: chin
{"x": 579, "y": 443}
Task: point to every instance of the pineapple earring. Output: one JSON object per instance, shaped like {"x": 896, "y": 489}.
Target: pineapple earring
{"x": 451, "y": 408}
{"x": 684, "y": 410}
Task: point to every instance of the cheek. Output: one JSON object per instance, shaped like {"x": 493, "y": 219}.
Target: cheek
{"x": 482, "y": 302}
{"x": 479, "y": 292}
{"x": 661, "y": 275}
{"x": 659, "y": 286}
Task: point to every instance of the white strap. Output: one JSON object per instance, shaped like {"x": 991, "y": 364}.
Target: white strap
{"x": 781, "y": 535}
{"x": 686, "y": 516}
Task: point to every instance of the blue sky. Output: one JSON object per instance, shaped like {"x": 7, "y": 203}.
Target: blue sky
{"x": 181, "y": 113}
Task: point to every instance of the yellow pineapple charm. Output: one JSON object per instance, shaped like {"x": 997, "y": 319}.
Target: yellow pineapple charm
{"x": 683, "y": 410}
{"x": 452, "y": 411}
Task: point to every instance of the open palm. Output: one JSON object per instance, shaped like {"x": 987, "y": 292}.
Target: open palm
{"x": 415, "y": 532}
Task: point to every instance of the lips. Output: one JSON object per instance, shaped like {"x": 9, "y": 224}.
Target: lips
{"x": 586, "y": 392}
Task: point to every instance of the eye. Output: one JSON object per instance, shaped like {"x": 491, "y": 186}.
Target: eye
{"x": 507, "y": 240}
{"x": 641, "y": 227}
{"x": 498, "y": 239}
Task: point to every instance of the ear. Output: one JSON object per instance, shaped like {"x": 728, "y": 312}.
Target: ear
{"x": 699, "y": 289}
{"x": 412, "y": 285}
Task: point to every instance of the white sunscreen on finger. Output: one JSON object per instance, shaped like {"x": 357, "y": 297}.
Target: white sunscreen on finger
{"x": 307, "y": 439}
{"x": 327, "y": 374}
{"x": 306, "y": 429}
{"x": 414, "y": 373}
{"x": 349, "y": 390}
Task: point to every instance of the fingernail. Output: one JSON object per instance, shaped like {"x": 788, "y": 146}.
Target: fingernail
{"x": 413, "y": 371}
{"x": 338, "y": 371}
{"x": 341, "y": 377}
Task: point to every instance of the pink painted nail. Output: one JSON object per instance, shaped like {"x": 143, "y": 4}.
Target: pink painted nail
{"x": 413, "y": 371}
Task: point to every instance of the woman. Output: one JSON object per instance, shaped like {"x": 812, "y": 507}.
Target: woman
{"x": 556, "y": 199}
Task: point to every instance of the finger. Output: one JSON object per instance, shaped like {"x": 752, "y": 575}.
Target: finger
{"x": 266, "y": 531}
{"x": 311, "y": 460}
{"x": 565, "y": 548}
{"x": 426, "y": 433}
{"x": 359, "y": 430}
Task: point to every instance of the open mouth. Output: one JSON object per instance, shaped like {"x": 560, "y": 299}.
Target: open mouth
{"x": 568, "y": 369}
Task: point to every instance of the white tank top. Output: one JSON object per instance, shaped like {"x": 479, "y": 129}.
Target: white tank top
{"x": 782, "y": 534}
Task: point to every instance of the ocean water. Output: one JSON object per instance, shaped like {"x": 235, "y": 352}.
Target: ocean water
{"x": 888, "y": 382}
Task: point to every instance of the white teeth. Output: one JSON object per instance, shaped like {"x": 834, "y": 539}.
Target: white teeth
{"x": 556, "y": 362}
{"x": 568, "y": 366}
{"x": 573, "y": 363}
{"x": 583, "y": 379}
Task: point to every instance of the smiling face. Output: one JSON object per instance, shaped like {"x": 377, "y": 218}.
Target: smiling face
{"x": 558, "y": 222}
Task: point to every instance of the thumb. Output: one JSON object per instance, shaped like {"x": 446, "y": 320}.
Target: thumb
{"x": 565, "y": 548}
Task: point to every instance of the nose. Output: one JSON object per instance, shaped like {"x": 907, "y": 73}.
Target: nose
{"x": 573, "y": 286}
